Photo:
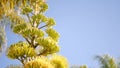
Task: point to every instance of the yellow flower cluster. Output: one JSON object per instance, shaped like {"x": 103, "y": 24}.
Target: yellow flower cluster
{"x": 56, "y": 61}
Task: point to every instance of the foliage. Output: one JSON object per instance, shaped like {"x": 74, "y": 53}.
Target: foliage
{"x": 28, "y": 20}
{"x": 20, "y": 49}
{"x": 83, "y": 66}
{"x": 39, "y": 62}
{"x": 56, "y": 61}
{"x": 77, "y": 66}
{"x": 59, "y": 61}
{"x": 107, "y": 61}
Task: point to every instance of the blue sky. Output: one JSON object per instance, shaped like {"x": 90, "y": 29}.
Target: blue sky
{"x": 87, "y": 28}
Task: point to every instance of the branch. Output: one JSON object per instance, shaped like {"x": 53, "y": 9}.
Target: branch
{"x": 43, "y": 26}
{"x": 32, "y": 13}
{"x": 33, "y": 24}
{"x": 27, "y": 40}
{"x": 36, "y": 45}
{"x": 21, "y": 60}
{"x": 43, "y": 53}
{"x": 29, "y": 18}
{"x": 32, "y": 41}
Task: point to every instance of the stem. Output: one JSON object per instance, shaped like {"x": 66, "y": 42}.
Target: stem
{"x": 43, "y": 53}
{"x": 43, "y": 26}
{"x": 32, "y": 41}
{"x": 32, "y": 13}
{"x": 33, "y": 24}
{"x": 27, "y": 40}
{"x": 21, "y": 60}
{"x": 36, "y": 45}
{"x": 29, "y": 18}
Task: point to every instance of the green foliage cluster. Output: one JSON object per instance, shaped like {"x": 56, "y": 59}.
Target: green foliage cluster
{"x": 20, "y": 49}
{"x": 83, "y": 66}
{"x": 52, "y": 33}
{"x": 28, "y": 20}
{"x": 31, "y": 32}
{"x": 59, "y": 61}
{"x": 56, "y": 61}
{"x": 107, "y": 61}
{"x": 49, "y": 45}
{"x": 39, "y": 62}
